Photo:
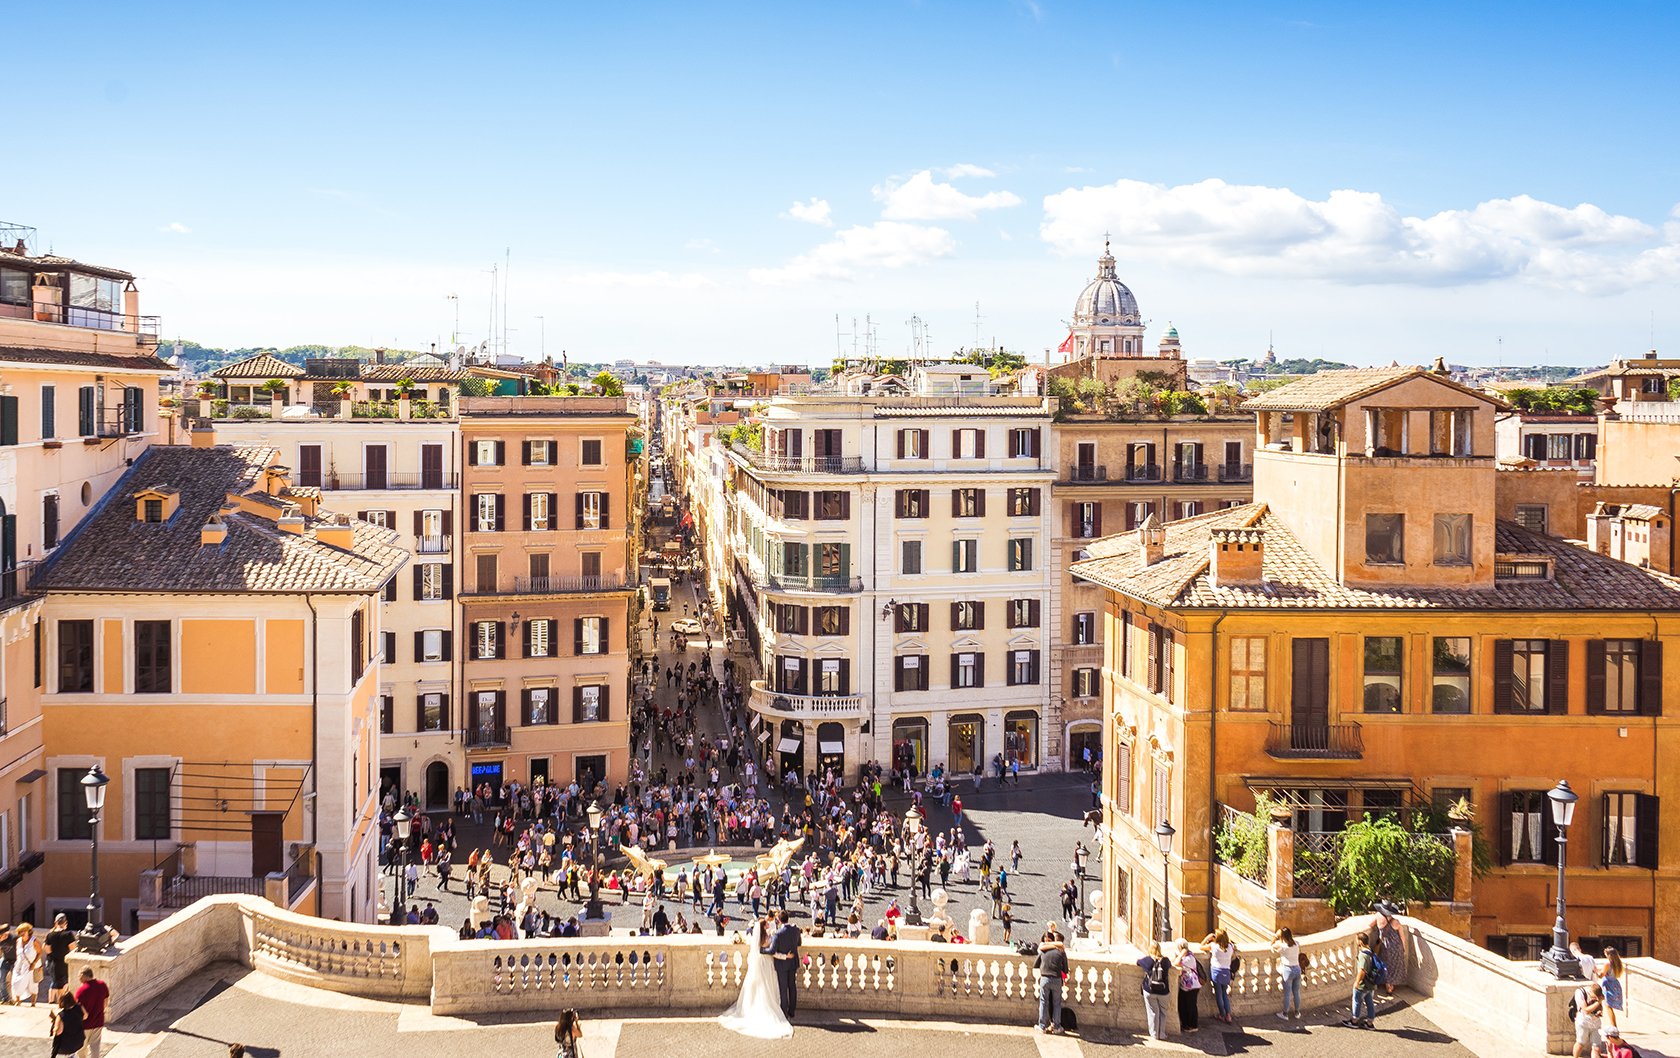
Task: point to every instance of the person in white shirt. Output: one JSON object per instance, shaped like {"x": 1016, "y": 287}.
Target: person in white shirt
{"x": 1289, "y": 967}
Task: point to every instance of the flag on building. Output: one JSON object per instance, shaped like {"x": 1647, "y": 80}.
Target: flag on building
{"x": 1067, "y": 344}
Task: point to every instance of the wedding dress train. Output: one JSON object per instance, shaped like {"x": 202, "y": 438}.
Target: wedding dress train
{"x": 758, "y": 1010}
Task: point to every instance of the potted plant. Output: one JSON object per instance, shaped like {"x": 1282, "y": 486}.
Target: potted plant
{"x": 206, "y": 394}
{"x": 405, "y": 394}
{"x": 343, "y": 391}
{"x": 1461, "y": 812}
{"x": 276, "y": 390}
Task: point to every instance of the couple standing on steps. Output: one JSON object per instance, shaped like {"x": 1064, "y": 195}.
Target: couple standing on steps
{"x": 769, "y": 992}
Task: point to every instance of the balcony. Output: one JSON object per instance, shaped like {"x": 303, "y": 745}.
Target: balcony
{"x": 337, "y": 482}
{"x": 1190, "y": 472}
{"x": 489, "y": 736}
{"x": 568, "y": 585}
{"x": 172, "y": 883}
{"x": 800, "y": 464}
{"x": 14, "y": 584}
{"x": 1314, "y": 741}
{"x": 431, "y": 545}
{"x": 1143, "y": 472}
{"x": 1086, "y": 474}
{"x": 775, "y": 704}
{"x": 144, "y": 328}
{"x": 1236, "y": 472}
{"x": 832, "y": 585}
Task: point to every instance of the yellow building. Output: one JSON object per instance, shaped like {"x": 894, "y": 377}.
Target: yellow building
{"x": 1367, "y": 637}
{"x": 209, "y": 639}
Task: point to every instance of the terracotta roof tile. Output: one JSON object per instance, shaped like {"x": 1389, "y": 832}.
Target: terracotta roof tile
{"x": 264, "y": 366}
{"x": 1330, "y": 389}
{"x": 128, "y": 361}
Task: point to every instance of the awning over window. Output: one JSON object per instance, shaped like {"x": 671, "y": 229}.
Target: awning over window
{"x": 789, "y": 745}
{"x": 832, "y": 748}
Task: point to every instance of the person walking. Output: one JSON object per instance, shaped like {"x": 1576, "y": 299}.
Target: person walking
{"x": 67, "y": 1032}
{"x": 29, "y": 968}
{"x": 1222, "y": 957}
{"x": 8, "y": 959}
{"x": 1610, "y": 980}
{"x": 1289, "y": 968}
{"x": 1156, "y": 984}
{"x": 59, "y": 942}
{"x": 1052, "y": 968}
{"x": 568, "y": 1029}
{"x": 1589, "y": 1020}
{"x": 92, "y": 995}
{"x": 1389, "y": 945}
{"x": 1364, "y": 986}
{"x": 1189, "y": 988}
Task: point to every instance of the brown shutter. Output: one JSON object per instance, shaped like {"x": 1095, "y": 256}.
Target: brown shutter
{"x": 606, "y": 635}
{"x": 1557, "y": 677}
{"x": 979, "y": 615}
{"x": 926, "y": 448}
{"x": 954, "y": 669}
{"x": 499, "y": 508}
{"x": 448, "y": 645}
{"x": 420, "y": 712}
{"x": 980, "y": 503}
{"x": 579, "y": 497}
{"x": 845, "y": 620}
{"x": 1595, "y": 676}
{"x": 419, "y": 522}
{"x": 419, "y": 572}
{"x": 955, "y": 608}
{"x": 956, "y": 444}
{"x": 979, "y": 444}
{"x": 577, "y": 705}
{"x": 606, "y": 510}
{"x": 1651, "y": 677}
{"x": 525, "y": 693}
{"x": 1154, "y": 656}
{"x": 1645, "y": 832}
{"x": 501, "y": 458}
{"x": 525, "y": 459}
{"x": 1096, "y": 518}
{"x": 553, "y": 512}
{"x": 979, "y": 670}
{"x": 448, "y": 522}
{"x": 553, "y": 696}
{"x": 501, "y": 640}
{"x": 901, "y": 444}
{"x": 1507, "y": 806}
{"x": 956, "y": 503}
{"x": 1503, "y": 699}
{"x": 845, "y": 505}
{"x": 472, "y": 454}
{"x": 898, "y": 674}
{"x": 527, "y": 500}
{"x": 1035, "y": 613}
{"x": 1034, "y": 437}
{"x": 419, "y": 645}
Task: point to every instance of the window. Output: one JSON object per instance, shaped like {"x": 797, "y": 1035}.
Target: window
{"x": 968, "y": 444}
{"x": 85, "y": 403}
{"x": 832, "y": 620}
{"x": 1530, "y": 676}
{"x": 965, "y": 556}
{"x": 967, "y": 670}
{"x": 1450, "y": 674}
{"x": 968, "y": 616}
{"x": 151, "y": 657}
{"x": 358, "y": 645}
{"x": 1382, "y": 673}
{"x": 910, "y": 552}
{"x": 588, "y": 704}
{"x": 432, "y": 581}
{"x": 1023, "y": 443}
{"x": 151, "y": 804}
{"x": 487, "y": 453}
{"x": 73, "y": 820}
{"x": 1123, "y": 777}
{"x": 1385, "y": 538}
{"x": 1087, "y": 520}
{"x": 912, "y": 444}
{"x": 910, "y": 617}
{"x": 488, "y": 505}
{"x": 537, "y": 640}
{"x": 591, "y": 635}
{"x": 1248, "y": 673}
{"x": 833, "y": 506}
{"x": 796, "y": 505}
{"x": 539, "y": 510}
{"x": 1613, "y": 676}
{"x": 484, "y": 566}
{"x": 1161, "y": 792}
{"x": 968, "y": 503}
{"x": 1023, "y": 667}
{"x": 1023, "y": 503}
{"x": 431, "y": 711}
{"x": 1532, "y": 516}
{"x": 910, "y": 672}
{"x": 540, "y": 707}
{"x": 589, "y": 563}
{"x": 487, "y": 640}
{"x": 833, "y": 676}
{"x": 15, "y": 287}
{"x": 1084, "y": 629}
{"x": 49, "y": 521}
{"x": 1085, "y": 683}
{"x": 589, "y": 510}
{"x": 1020, "y": 554}
{"x": 1023, "y": 613}
{"x": 1452, "y": 539}
{"x": 832, "y": 561}
{"x": 912, "y": 503}
{"x": 590, "y": 453}
{"x": 75, "y": 656}
{"x": 431, "y": 645}
{"x": 793, "y": 559}
{"x": 1526, "y": 831}
{"x": 1161, "y": 661}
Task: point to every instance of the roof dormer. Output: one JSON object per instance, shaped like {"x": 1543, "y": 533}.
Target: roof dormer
{"x": 156, "y": 504}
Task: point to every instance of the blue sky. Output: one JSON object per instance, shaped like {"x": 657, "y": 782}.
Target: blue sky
{"x": 717, "y": 182}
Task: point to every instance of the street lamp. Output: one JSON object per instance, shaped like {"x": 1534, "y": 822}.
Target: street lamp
{"x": 913, "y": 827}
{"x": 1163, "y": 840}
{"x": 1078, "y": 923}
{"x": 95, "y": 937}
{"x": 594, "y": 909}
{"x": 404, "y": 824}
{"x": 1558, "y": 961}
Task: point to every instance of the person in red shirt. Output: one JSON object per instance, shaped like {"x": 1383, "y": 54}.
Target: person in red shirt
{"x": 92, "y": 995}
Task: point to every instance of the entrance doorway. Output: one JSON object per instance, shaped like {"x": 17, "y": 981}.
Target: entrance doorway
{"x": 267, "y": 837}
{"x": 1084, "y": 746}
{"x": 831, "y": 748}
{"x": 487, "y": 771}
{"x": 909, "y": 738}
{"x": 589, "y": 770}
{"x": 790, "y": 747}
{"x": 437, "y": 785}
{"x": 539, "y": 770}
{"x": 1309, "y": 702}
{"x": 390, "y": 778}
{"x": 967, "y": 743}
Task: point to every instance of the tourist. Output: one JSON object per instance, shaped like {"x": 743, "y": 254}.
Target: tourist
{"x": 1389, "y": 944}
{"x": 8, "y": 959}
{"x": 59, "y": 942}
{"x": 92, "y": 996}
{"x": 1589, "y": 1013}
{"x": 29, "y": 967}
{"x": 1610, "y": 981}
{"x": 1222, "y": 958}
{"x": 1289, "y": 968}
{"x": 1052, "y": 968}
{"x": 1189, "y": 988}
{"x": 567, "y": 1031}
{"x": 1364, "y": 986}
{"x": 67, "y": 1032}
{"x": 1156, "y": 985}
{"x": 1614, "y": 1046}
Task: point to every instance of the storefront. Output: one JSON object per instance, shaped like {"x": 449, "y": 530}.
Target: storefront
{"x": 909, "y": 744}
{"x": 790, "y": 748}
{"x": 966, "y": 742}
{"x": 831, "y": 748}
{"x": 1084, "y": 737}
{"x": 1020, "y": 738}
{"x": 487, "y": 771}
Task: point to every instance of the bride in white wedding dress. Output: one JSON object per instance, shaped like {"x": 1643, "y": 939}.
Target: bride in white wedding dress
{"x": 758, "y": 1010}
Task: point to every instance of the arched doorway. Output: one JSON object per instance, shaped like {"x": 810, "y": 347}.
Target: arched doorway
{"x": 909, "y": 744}
{"x": 1084, "y": 742}
{"x": 831, "y": 748}
{"x": 437, "y": 785}
{"x": 790, "y": 748}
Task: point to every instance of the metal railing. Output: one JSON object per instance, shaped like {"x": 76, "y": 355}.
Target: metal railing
{"x": 145, "y": 329}
{"x": 182, "y": 890}
{"x": 1236, "y": 472}
{"x": 1240, "y": 843}
{"x": 484, "y": 735}
{"x": 432, "y": 545}
{"x": 1143, "y": 472}
{"x": 801, "y": 464}
{"x": 563, "y": 585}
{"x": 14, "y": 584}
{"x": 354, "y": 482}
{"x": 1087, "y": 473}
{"x": 1314, "y": 741}
{"x": 1190, "y": 471}
{"x": 835, "y": 584}
{"x": 767, "y": 701}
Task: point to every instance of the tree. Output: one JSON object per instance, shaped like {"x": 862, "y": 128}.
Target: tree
{"x": 1266, "y": 385}
{"x": 474, "y": 387}
{"x": 608, "y": 384}
{"x": 1382, "y": 860}
{"x": 1222, "y": 397}
{"x": 274, "y": 387}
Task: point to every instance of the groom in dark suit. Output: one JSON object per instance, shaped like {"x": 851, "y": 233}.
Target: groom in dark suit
{"x": 784, "y": 949}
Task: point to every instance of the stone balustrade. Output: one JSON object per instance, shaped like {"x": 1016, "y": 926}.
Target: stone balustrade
{"x": 697, "y": 975}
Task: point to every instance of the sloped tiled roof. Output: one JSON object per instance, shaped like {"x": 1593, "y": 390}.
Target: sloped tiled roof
{"x": 1293, "y": 579}
{"x": 1331, "y": 389}
{"x": 264, "y": 366}
{"x": 112, "y": 551}
{"x": 412, "y": 372}
{"x": 112, "y": 361}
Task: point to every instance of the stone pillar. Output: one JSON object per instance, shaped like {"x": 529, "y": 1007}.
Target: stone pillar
{"x": 346, "y": 408}
{"x": 405, "y": 408}
{"x": 1280, "y": 861}
{"x": 276, "y": 890}
{"x": 1462, "y": 864}
{"x": 151, "y": 888}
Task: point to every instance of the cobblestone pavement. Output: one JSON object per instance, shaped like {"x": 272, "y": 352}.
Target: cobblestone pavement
{"x": 274, "y": 1019}
{"x": 1043, "y": 812}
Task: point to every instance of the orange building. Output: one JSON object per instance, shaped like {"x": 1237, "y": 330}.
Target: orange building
{"x": 547, "y": 566}
{"x": 1366, "y": 637}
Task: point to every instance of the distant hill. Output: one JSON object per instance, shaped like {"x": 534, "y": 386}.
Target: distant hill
{"x": 202, "y": 358}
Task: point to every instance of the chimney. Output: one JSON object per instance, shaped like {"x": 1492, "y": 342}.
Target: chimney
{"x": 1236, "y": 557}
{"x": 338, "y": 532}
{"x": 276, "y": 479}
{"x": 1598, "y": 528}
{"x": 1154, "y": 539}
{"x": 131, "y": 306}
{"x": 213, "y": 533}
{"x": 379, "y": 355}
{"x": 291, "y": 519}
{"x": 203, "y": 434}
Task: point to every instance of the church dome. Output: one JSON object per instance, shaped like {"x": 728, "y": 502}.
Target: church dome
{"x": 1106, "y": 301}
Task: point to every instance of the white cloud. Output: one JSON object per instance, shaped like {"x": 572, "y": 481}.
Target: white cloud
{"x": 921, "y": 197}
{"x": 702, "y": 246}
{"x": 1356, "y": 237}
{"x": 816, "y": 211}
{"x": 884, "y": 244}
{"x": 962, "y": 169}
{"x": 175, "y": 227}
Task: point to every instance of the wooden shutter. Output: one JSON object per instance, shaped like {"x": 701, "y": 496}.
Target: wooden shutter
{"x": 1507, "y": 805}
{"x": 980, "y": 503}
{"x": 419, "y": 645}
{"x": 577, "y": 635}
{"x": 1014, "y": 443}
{"x": 606, "y": 510}
{"x": 1595, "y": 676}
{"x": 578, "y": 509}
{"x": 472, "y": 454}
{"x": 527, "y": 502}
{"x": 553, "y": 512}
{"x": 420, "y": 712}
{"x": 923, "y": 437}
{"x": 448, "y": 522}
{"x": 979, "y": 444}
{"x": 979, "y": 670}
{"x": 1503, "y": 696}
{"x": 419, "y": 573}
{"x": 501, "y": 461}
{"x": 1154, "y": 655}
{"x": 525, "y": 638}
{"x": 956, "y": 506}
{"x": 448, "y": 645}
{"x": 956, "y": 444}
{"x": 1034, "y": 612}
{"x": 979, "y": 615}
{"x": 846, "y": 673}
{"x": 845, "y": 620}
{"x": 898, "y": 674}
{"x": 1645, "y": 832}
{"x": 956, "y": 668}
{"x": 525, "y": 693}
{"x": 1167, "y": 665}
{"x": 1096, "y": 518}
{"x": 525, "y": 459}
{"x": 901, "y": 434}
{"x": 1035, "y": 659}
{"x": 1557, "y": 677}
{"x": 1651, "y": 677}
{"x": 501, "y": 640}
{"x": 956, "y": 616}
{"x": 498, "y": 509}
{"x": 419, "y": 522}
{"x": 577, "y": 705}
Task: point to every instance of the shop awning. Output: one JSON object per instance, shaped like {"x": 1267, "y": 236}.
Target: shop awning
{"x": 832, "y": 749}
{"x": 764, "y": 736}
{"x": 789, "y": 745}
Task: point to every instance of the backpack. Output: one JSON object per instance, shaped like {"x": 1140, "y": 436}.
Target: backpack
{"x": 1157, "y": 979}
{"x": 1379, "y": 972}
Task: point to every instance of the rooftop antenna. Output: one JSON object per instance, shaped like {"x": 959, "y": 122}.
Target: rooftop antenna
{"x": 977, "y": 319}
{"x": 542, "y": 339}
{"x": 918, "y": 338}
{"x": 491, "y": 340}
{"x": 507, "y": 256}
{"x": 455, "y": 335}
{"x": 1499, "y": 356}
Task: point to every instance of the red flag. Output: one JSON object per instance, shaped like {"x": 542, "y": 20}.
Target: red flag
{"x": 1067, "y": 344}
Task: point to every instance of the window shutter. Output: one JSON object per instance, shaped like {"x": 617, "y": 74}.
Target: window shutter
{"x": 922, "y": 436}
{"x": 420, "y": 712}
{"x": 898, "y": 674}
{"x": 472, "y": 454}
{"x": 579, "y": 497}
{"x": 1507, "y": 806}
{"x": 606, "y": 510}
{"x": 845, "y": 505}
{"x": 501, "y": 640}
{"x": 1167, "y": 683}
{"x": 980, "y": 503}
{"x": 923, "y": 619}
{"x": 1651, "y": 677}
{"x": 1035, "y": 655}
{"x": 419, "y": 572}
{"x": 1557, "y": 677}
{"x": 956, "y": 444}
{"x": 553, "y": 512}
{"x": 1034, "y": 613}
{"x": 8, "y": 420}
{"x": 577, "y": 635}
{"x": 845, "y": 620}
{"x": 501, "y": 461}
{"x": 926, "y": 496}
{"x": 956, "y": 608}
{"x": 577, "y": 705}
{"x": 901, "y": 444}
{"x": 448, "y": 522}
{"x": 527, "y": 501}
{"x": 1096, "y": 518}
{"x": 606, "y": 703}
{"x": 1502, "y": 694}
{"x": 1014, "y": 444}
{"x": 419, "y": 645}
{"x": 525, "y": 458}
{"x": 499, "y": 499}
{"x": 979, "y": 444}
{"x": 419, "y": 522}
{"x": 84, "y": 411}
{"x": 956, "y": 504}
{"x": 1645, "y": 833}
{"x": 448, "y": 645}
{"x": 955, "y": 668}
{"x": 1604, "y": 830}
{"x": 979, "y": 670}
{"x": 1595, "y": 676}
{"x": 525, "y": 638}
{"x": 525, "y": 694}
{"x": 846, "y": 670}
{"x": 979, "y": 615}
